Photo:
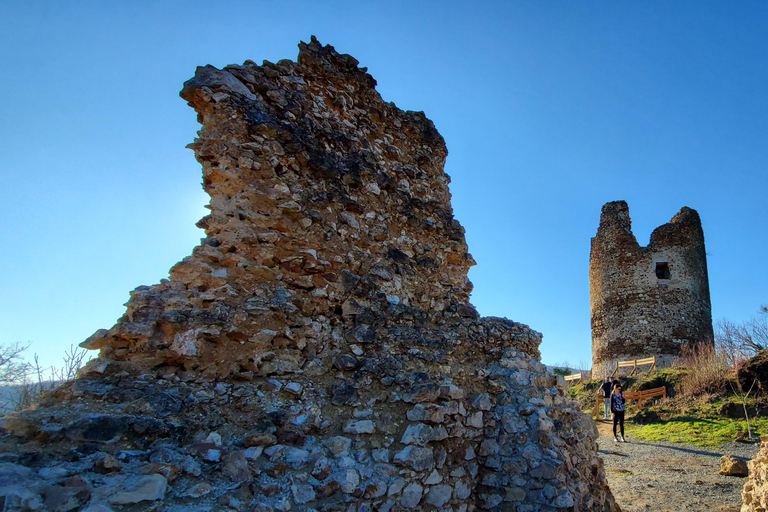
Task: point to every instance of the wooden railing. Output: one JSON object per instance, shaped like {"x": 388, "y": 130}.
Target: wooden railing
{"x": 634, "y": 363}
{"x": 634, "y": 395}
{"x": 645, "y": 394}
{"x": 573, "y": 377}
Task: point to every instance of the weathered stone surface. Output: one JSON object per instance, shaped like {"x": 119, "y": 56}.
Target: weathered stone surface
{"x": 235, "y": 467}
{"x": 348, "y": 480}
{"x": 730, "y": 466}
{"x": 438, "y": 495}
{"x": 106, "y": 464}
{"x": 411, "y": 495}
{"x": 317, "y": 350}
{"x": 651, "y": 300}
{"x": 302, "y": 493}
{"x": 418, "y": 459}
{"x": 359, "y": 427}
{"x": 68, "y": 494}
{"x": 753, "y": 375}
{"x": 754, "y": 494}
{"x": 140, "y": 488}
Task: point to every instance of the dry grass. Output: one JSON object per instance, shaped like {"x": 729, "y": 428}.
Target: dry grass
{"x": 25, "y": 382}
{"x": 707, "y": 371}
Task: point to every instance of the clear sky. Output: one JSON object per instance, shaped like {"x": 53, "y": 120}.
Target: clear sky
{"x": 549, "y": 109}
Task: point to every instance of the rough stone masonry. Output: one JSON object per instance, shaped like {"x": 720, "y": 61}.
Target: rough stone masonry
{"x": 317, "y": 350}
{"x": 754, "y": 495}
{"x": 647, "y": 301}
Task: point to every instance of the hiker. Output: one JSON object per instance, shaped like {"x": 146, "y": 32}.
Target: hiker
{"x": 617, "y": 408}
{"x": 605, "y": 391}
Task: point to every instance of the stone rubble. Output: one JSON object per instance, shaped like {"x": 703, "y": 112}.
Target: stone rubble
{"x": 754, "y": 495}
{"x": 731, "y": 466}
{"x": 317, "y": 351}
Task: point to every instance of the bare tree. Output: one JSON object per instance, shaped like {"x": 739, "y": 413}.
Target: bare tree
{"x": 743, "y": 397}
{"x": 28, "y": 380}
{"x": 740, "y": 341}
{"x": 13, "y": 369}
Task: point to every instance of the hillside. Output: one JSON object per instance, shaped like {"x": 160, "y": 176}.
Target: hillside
{"x": 708, "y": 417}
{"x": 672, "y": 459}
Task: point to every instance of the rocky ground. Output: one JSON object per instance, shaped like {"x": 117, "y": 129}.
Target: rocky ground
{"x": 662, "y": 477}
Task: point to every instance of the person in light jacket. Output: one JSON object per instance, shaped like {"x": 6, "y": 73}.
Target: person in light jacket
{"x": 617, "y": 408}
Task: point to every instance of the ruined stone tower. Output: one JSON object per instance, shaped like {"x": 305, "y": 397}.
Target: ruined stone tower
{"x": 647, "y": 301}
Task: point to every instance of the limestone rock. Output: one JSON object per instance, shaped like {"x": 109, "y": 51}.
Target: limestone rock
{"x": 754, "y": 494}
{"x": 235, "y": 467}
{"x": 730, "y": 466}
{"x": 411, "y": 495}
{"x": 68, "y": 494}
{"x": 141, "y": 488}
{"x": 106, "y": 464}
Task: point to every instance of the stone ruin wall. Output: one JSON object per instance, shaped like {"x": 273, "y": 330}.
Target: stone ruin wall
{"x": 636, "y": 314}
{"x": 317, "y": 351}
{"x": 754, "y": 494}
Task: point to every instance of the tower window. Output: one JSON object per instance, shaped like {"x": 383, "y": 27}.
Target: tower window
{"x": 662, "y": 270}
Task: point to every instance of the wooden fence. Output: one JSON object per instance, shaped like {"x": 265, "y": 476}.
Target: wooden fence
{"x": 634, "y": 395}
{"x": 574, "y": 378}
{"x": 634, "y": 363}
{"x": 645, "y": 394}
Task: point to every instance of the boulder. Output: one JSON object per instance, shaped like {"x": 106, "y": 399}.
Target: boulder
{"x": 731, "y": 466}
{"x": 753, "y": 375}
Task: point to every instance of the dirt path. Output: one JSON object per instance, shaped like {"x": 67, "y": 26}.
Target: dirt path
{"x": 660, "y": 477}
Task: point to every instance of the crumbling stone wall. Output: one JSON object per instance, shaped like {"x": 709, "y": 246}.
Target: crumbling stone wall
{"x": 647, "y": 301}
{"x": 317, "y": 350}
{"x": 754, "y": 495}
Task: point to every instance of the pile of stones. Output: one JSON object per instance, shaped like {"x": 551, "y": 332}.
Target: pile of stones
{"x": 754, "y": 495}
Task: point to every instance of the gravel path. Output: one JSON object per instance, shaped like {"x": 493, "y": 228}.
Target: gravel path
{"x": 660, "y": 477}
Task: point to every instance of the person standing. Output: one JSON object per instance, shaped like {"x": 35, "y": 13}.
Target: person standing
{"x": 605, "y": 392}
{"x": 617, "y": 408}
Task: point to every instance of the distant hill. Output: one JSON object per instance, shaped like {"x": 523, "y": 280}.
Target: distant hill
{"x": 8, "y": 397}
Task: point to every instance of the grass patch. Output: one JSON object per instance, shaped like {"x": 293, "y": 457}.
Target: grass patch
{"x": 699, "y": 418}
{"x": 704, "y": 432}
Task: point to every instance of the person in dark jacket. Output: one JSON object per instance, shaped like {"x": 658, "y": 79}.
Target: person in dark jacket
{"x": 604, "y": 391}
{"x": 617, "y": 408}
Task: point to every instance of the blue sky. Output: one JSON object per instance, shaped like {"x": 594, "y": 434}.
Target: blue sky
{"x": 548, "y": 109}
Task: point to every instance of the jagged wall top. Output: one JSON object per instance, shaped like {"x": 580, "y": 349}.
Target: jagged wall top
{"x": 615, "y": 229}
{"x": 647, "y": 301}
{"x": 330, "y": 213}
{"x": 360, "y": 172}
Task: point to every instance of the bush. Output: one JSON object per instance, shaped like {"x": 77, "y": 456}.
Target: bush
{"x": 585, "y": 393}
{"x": 668, "y": 378}
{"x": 707, "y": 371}
{"x": 13, "y": 370}
{"x": 25, "y": 382}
